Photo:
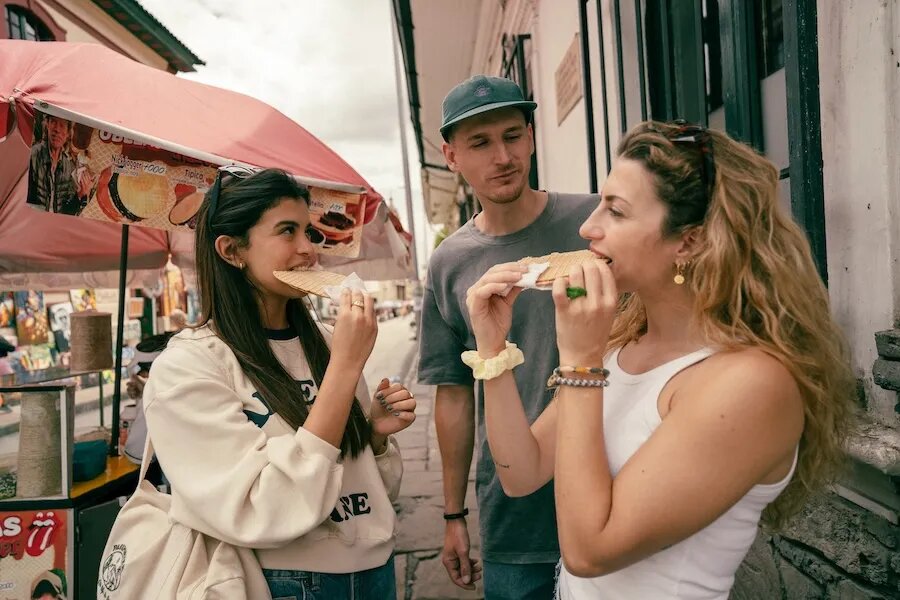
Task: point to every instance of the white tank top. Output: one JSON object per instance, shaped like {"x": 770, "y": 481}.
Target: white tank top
{"x": 699, "y": 567}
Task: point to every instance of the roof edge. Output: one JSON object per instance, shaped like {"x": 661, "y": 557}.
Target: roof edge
{"x": 404, "y": 25}
{"x": 136, "y": 19}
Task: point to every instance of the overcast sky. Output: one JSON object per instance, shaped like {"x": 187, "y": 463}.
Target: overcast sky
{"x": 328, "y": 65}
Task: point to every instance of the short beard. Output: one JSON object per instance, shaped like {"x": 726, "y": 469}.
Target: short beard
{"x": 507, "y": 198}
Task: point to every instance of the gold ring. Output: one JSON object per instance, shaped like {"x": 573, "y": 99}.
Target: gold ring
{"x": 358, "y": 303}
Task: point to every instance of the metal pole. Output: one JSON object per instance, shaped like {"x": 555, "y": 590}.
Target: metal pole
{"x": 801, "y": 62}
{"x": 588, "y": 94}
{"x": 623, "y": 106}
{"x": 603, "y": 89}
{"x": 414, "y": 255}
{"x": 120, "y": 332}
{"x": 639, "y": 27}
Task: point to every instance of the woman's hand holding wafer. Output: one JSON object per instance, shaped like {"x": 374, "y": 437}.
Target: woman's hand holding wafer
{"x": 583, "y": 323}
{"x": 489, "y": 311}
{"x": 355, "y": 330}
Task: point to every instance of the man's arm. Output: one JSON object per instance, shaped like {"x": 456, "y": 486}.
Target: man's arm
{"x": 454, "y": 417}
{"x": 440, "y": 347}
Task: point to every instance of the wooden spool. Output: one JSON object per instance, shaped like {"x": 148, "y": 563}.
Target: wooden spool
{"x": 91, "y": 341}
{"x": 39, "y": 470}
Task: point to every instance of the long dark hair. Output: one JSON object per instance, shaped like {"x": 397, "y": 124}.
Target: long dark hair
{"x": 229, "y": 300}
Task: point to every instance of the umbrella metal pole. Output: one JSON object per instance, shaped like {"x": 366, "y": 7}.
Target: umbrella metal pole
{"x": 120, "y": 334}
{"x": 414, "y": 259}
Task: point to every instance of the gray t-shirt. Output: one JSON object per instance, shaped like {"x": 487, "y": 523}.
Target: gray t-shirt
{"x": 513, "y": 530}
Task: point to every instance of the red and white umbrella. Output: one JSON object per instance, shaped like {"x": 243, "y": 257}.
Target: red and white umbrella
{"x": 93, "y": 85}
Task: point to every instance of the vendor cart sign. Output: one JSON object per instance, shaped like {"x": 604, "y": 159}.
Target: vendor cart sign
{"x": 86, "y": 168}
{"x": 79, "y": 170}
{"x": 33, "y": 554}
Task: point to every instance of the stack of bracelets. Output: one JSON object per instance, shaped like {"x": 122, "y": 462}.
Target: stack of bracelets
{"x": 596, "y": 377}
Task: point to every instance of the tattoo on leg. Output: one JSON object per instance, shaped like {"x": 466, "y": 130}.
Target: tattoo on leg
{"x": 501, "y": 465}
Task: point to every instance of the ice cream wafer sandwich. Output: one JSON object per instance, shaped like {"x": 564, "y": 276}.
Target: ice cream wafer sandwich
{"x": 310, "y": 281}
{"x": 133, "y": 197}
{"x": 187, "y": 202}
{"x": 339, "y": 222}
{"x": 559, "y": 264}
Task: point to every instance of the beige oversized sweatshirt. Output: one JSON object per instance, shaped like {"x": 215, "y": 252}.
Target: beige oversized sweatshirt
{"x": 241, "y": 474}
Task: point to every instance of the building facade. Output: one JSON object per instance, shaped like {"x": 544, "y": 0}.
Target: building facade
{"x": 121, "y": 25}
{"x": 811, "y": 84}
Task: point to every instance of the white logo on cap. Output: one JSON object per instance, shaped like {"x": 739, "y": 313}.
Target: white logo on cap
{"x": 482, "y": 91}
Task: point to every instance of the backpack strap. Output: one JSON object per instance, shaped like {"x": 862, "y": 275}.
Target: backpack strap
{"x": 146, "y": 459}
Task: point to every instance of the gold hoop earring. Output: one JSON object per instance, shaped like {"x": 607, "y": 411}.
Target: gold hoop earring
{"x": 679, "y": 274}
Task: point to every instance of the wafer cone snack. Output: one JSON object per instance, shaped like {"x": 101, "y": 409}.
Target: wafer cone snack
{"x": 560, "y": 262}
{"x": 310, "y": 281}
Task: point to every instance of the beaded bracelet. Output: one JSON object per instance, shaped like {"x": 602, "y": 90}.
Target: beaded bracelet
{"x": 582, "y": 371}
{"x": 556, "y": 381}
{"x": 556, "y": 378}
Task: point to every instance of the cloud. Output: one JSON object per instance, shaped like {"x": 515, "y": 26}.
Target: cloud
{"x": 327, "y": 65}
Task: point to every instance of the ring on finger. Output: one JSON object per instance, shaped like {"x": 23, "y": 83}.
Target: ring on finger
{"x": 575, "y": 292}
{"x": 358, "y": 303}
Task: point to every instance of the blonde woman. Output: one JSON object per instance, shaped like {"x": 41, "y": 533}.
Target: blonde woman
{"x": 714, "y": 395}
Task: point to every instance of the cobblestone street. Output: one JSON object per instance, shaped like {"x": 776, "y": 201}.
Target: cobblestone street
{"x": 420, "y": 574}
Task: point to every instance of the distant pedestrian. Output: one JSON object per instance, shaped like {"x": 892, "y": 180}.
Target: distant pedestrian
{"x": 177, "y": 320}
{"x": 5, "y": 369}
{"x": 145, "y": 353}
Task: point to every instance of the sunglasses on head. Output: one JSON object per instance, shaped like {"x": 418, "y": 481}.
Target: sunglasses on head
{"x": 687, "y": 133}
{"x": 224, "y": 176}
{"x": 228, "y": 171}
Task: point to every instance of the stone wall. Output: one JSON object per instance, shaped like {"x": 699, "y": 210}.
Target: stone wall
{"x": 845, "y": 544}
{"x": 833, "y": 550}
{"x": 886, "y": 370}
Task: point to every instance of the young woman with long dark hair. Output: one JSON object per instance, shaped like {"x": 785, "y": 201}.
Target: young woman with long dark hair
{"x": 260, "y": 418}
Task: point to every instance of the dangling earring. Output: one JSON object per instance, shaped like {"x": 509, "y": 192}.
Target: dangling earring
{"x": 679, "y": 274}
{"x": 241, "y": 265}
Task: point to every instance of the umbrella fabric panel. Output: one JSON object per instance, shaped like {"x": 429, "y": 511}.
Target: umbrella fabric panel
{"x": 93, "y": 80}
{"x": 33, "y": 241}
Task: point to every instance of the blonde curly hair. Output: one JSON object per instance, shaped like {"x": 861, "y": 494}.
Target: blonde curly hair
{"x": 754, "y": 285}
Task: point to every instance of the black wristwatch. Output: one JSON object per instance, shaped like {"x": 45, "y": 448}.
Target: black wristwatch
{"x": 459, "y": 515}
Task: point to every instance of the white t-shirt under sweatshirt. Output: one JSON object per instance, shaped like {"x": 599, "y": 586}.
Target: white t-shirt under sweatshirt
{"x": 241, "y": 474}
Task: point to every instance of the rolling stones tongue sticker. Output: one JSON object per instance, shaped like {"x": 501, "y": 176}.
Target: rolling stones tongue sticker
{"x": 31, "y": 533}
{"x": 33, "y": 551}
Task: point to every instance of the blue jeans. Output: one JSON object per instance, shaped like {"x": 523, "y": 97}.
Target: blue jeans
{"x": 373, "y": 584}
{"x": 504, "y": 581}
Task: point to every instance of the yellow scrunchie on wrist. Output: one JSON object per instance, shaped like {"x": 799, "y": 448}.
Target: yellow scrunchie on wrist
{"x": 489, "y": 368}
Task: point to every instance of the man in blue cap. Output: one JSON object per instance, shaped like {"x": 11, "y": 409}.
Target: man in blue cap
{"x": 489, "y": 140}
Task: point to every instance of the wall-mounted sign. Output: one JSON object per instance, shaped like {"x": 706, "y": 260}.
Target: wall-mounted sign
{"x": 568, "y": 81}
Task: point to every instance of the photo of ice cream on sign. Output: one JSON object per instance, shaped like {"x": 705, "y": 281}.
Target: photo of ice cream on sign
{"x": 188, "y": 198}
{"x": 129, "y": 192}
{"x": 149, "y": 186}
{"x": 339, "y": 216}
